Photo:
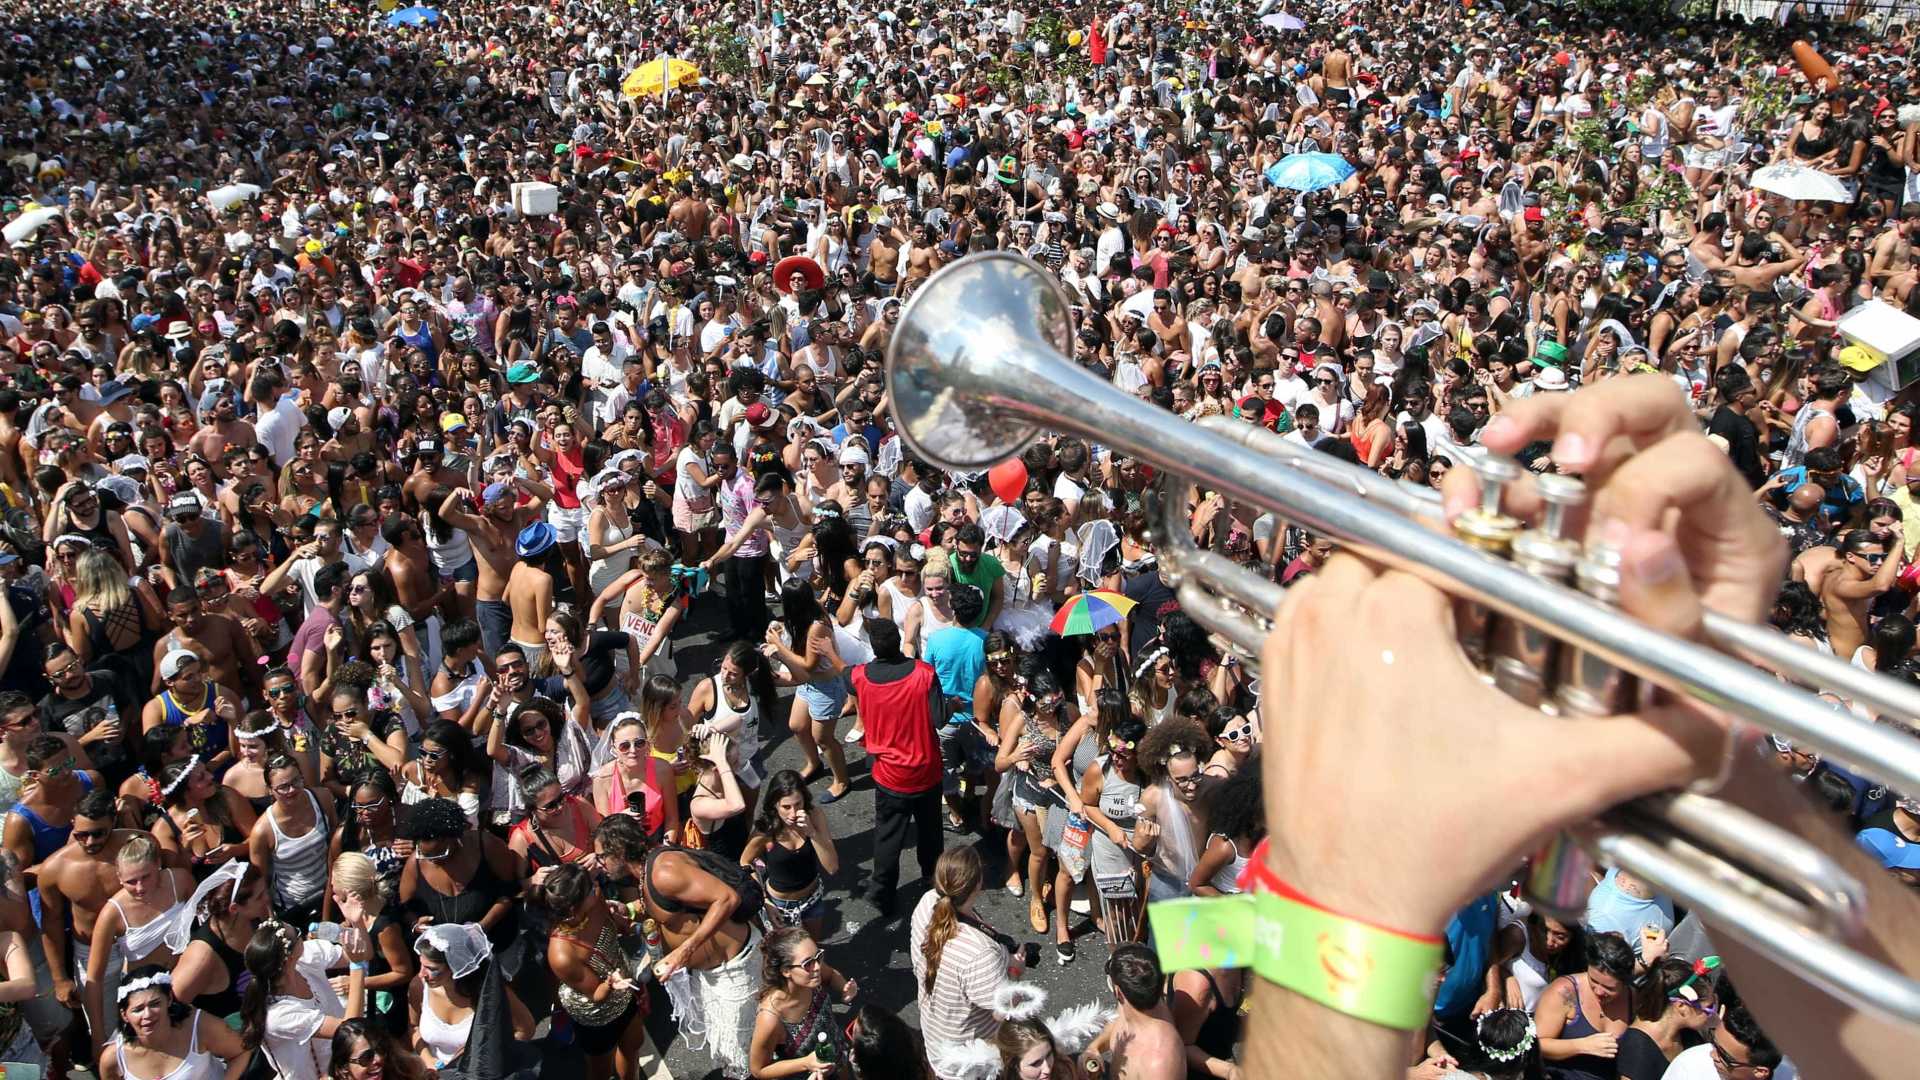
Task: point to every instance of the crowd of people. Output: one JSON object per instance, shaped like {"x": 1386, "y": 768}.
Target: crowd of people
{"x": 355, "y": 505}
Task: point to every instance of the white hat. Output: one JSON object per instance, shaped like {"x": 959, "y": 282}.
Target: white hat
{"x": 171, "y": 663}
{"x": 338, "y": 415}
{"x": 1109, "y": 211}
{"x": 854, "y": 454}
{"x": 1551, "y": 379}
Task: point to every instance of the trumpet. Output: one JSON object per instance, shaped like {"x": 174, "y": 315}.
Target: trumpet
{"x": 981, "y": 362}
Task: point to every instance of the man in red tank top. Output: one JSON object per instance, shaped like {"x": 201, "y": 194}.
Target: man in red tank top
{"x": 902, "y": 707}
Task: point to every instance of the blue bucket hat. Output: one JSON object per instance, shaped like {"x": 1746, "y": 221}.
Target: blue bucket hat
{"x": 534, "y": 540}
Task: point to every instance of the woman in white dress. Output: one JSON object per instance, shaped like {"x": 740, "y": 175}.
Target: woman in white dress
{"x": 290, "y": 1008}
{"x": 612, "y": 538}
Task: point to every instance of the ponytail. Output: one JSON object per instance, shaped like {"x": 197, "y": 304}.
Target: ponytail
{"x": 940, "y": 930}
{"x": 955, "y": 877}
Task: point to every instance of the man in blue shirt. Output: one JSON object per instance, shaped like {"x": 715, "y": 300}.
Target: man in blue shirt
{"x": 958, "y": 654}
{"x": 1470, "y": 939}
{"x": 1844, "y": 493}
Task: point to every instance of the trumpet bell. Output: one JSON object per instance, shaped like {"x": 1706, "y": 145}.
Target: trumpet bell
{"x": 961, "y": 336}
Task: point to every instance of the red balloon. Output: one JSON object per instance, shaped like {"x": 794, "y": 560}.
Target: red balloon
{"x": 1009, "y": 479}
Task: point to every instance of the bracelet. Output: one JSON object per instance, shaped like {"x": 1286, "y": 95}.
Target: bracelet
{"x": 359, "y": 966}
{"x": 1375, "y": 974}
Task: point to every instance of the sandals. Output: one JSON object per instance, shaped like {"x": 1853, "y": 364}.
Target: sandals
{"x": 831, "y": 797}
{"x": 1036, "y": 913}
{"x": 813, "y": 774}
{"x": 1064, "y": 952}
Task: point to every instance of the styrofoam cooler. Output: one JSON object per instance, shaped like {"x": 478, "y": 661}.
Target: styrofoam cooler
{"x": 535, "y": 198}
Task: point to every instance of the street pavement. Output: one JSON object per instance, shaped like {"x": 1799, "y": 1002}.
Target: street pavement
{"x": 859, "y": 943}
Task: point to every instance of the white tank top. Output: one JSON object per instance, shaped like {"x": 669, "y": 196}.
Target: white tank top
{"x": 447, "y": 1041}
{"x": 450, "y": 556}
{"x": 742, "y": 725}
{"x": 197, "y": 1065}
{"x": 931, "y": 620}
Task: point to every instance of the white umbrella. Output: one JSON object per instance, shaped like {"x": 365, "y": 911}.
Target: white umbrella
{"x": 1801, "y": 184}
{"x": 27, "y": 224}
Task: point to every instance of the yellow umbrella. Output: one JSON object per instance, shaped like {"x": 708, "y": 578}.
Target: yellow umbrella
{"x": 652, "y": 78}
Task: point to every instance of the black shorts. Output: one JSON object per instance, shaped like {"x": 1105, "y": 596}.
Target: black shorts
{"x": 594, "y": 1040}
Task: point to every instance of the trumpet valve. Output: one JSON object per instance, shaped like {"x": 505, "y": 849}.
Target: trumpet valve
{"x": 1588, "y": 685}
{"x": 1523, "y": 655}
{"x": 1487, "y": 526}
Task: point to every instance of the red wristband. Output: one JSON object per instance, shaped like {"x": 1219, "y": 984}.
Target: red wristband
{"x": 1258, "y": 877}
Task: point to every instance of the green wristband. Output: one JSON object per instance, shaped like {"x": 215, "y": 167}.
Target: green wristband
{"x": 1376, "y": 975}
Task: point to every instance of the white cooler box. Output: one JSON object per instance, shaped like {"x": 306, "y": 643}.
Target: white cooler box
{"x": 536, "y": 199}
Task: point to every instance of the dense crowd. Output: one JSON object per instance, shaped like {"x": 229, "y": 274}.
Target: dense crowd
{"x": 355, "y": 502}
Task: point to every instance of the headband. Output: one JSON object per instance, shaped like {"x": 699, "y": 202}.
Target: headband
{"x": 1140, "y": 672}
{"x": 192, "y": 762}
{"x": 272, "y": 726}
{"x": 128, "y": 989}
{"x": 1518, "y": 1049}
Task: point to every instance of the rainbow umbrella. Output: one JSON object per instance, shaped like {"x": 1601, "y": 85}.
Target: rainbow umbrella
{"x": 1088, "y": 612}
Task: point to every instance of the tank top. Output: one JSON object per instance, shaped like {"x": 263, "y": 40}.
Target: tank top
{"x": 792, "y": 870}
{"x": 568, "y": 470}
{"x": 740, "y": 724}
{"x": 1582, "y": 1066}
{"x": 931, "y": 620}
{"x": 448, "y": 556}
{"x": 299, "y": 862}
{"x": 602, "y": 572}
{"x": 446, "y": 1040}
{"x": 143, "y": 941}
{"x": 1796, "y": 452}
{"x": 421, "y": 339}
{"x": 604, "y": 956}
{"x": 801, "y": 1039}
{"x": 47, "y": 837}
{"x": 1227, "y": 880}
{"x": 1120, "y": 803}
{"x": 197, "y": 1065}
{"x": 221, "y": 1003}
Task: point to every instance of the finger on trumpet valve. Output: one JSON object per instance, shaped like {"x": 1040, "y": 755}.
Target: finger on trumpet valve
{"x": 1522, "y": 654}
{"x": 1488, "y": 528}
{"x": 1585, "y": 684}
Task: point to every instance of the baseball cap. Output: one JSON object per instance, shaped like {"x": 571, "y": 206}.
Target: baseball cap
{"x": 1892, "y": 849}
{"x": 171, "y": 664}
{"x": 758, "y": 415}
{"x": 453, "y": 421}
{"x": 183, "y": 505}
{"x": 523, "y": 373}
{"x": 338, "y": 415}
{"x": 494, "y": 492}
{"x": 1550, "y": 352}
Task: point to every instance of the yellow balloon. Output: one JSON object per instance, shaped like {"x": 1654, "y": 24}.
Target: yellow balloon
{"x": 1075, "y": 37}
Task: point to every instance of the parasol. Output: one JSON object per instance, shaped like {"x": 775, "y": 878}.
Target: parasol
{"x": 1089, "y": 612}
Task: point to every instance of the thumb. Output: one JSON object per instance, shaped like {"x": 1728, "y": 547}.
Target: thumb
{"x": 1655, "y": 750}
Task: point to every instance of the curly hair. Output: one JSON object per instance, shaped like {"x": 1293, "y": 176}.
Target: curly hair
{"x": 1170, "y": 739}
{"x": 1235, "y": 807}
{"x": 433, "y": 819}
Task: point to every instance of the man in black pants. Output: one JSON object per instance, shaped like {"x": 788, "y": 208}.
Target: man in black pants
{"x": 902, "y": 707}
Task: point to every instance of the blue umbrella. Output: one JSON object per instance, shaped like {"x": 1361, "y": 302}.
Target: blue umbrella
{"x": 1308, "y": 172}
{"x": 413, "y": 16}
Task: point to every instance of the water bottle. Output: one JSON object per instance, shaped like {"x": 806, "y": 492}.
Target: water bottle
{"x": 823, "y": 1047}
{"x": 325, "y": 931}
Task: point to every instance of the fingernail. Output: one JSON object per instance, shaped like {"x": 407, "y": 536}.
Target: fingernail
{"x": 1500, "y": 429}
{"x": 1571, "y": 450}
{"x": 1458, "y": 501}
{"x": 1654, "y": 558}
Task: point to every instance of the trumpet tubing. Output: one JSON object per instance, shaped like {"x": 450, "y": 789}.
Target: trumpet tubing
{"x": 981, "y": 363}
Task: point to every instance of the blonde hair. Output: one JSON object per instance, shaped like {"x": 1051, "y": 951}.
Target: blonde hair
{"x": 355, "y": 874}
{"x": 100, "y": 581}
{"x": 955, "y": 877}
{"x": 139, "y": 848}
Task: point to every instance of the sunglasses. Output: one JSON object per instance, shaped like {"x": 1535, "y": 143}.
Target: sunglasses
{"x": 345, "y": 714}
{"x": 1238, "y": 733}
{"x": 811, "y": 963}
{"x": 366, "y": 1059}
{"x": 90, "y": 834}
{"x": 628, "y": 746}
{"x": 553, "y": 806}
{"x": 280, "y": 691}
{"x": 369, "y": 807}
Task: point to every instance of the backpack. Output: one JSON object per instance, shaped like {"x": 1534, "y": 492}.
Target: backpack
{"x": 19, "y": 530}
{"x": 746, "y": 889}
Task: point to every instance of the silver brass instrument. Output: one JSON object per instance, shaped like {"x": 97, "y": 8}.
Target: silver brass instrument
{"x": 981, "y": 362}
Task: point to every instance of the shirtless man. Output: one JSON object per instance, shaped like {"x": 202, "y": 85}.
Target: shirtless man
{"x": 429, "y": 473}
{"x": 688, "y": 215}
{"x": 1169, "y": 327}
{"x": 1336, "y": 71}
{"x": 78, "y": 880}
{"x": 222, "y": 644}
{"x": 11, "y": 472}
{"x": 705, "y": 933}
{"x": 225, "y": 429}
{"x": 530, "y": 585}
{"x": 411, "y": 567}
{"x": 1864, "y": 571}
{"x": 919, "y": 258}
{"x": 491, "y": 531}
{"x": 883, "y": 259}
{"x": 1893, "y": 249}
{"x": 1142, "y": 1042}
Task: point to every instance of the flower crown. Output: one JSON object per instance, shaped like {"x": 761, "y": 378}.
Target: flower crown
{"x": 1517, "y": 1050}
{"x": 128, "y": 989}
{"x": 1140, "y": 670}
{"x": 160, "y": 793}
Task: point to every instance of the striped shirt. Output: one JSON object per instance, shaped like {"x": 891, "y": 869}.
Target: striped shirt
{"x": 972, "y": 968}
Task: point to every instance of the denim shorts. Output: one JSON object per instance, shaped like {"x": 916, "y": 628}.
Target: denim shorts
{"x": 824, "y": 699}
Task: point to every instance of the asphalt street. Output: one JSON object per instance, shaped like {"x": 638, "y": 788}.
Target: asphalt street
{"x": 861, "y": 945}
